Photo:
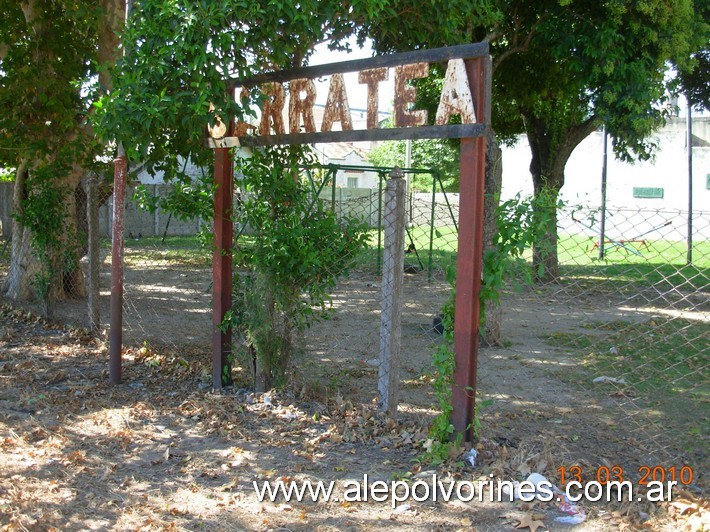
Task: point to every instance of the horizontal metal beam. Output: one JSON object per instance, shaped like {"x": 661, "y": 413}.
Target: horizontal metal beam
{"x": 224, "y": 142}
{"x": 436, "y": 55}
{"x": 360, "y": 135}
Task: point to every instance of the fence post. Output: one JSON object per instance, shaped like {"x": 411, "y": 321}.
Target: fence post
{"x": 380, "y": 177}
{"x": 119, "y": 205}
{"x": 395, "y": 219}
{"x": 432, "y": 220}
{"x": 222, "y": 267}
{"x": 602, "y": 224}
{"x": 92, "y": 214}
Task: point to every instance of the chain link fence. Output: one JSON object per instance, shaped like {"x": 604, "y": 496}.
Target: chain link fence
{"x": 631, "y": 313}
{"x": 624, "y": 331}
{"x": 343, "y": 352}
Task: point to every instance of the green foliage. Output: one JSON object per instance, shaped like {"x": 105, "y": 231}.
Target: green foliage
{"x": 181, "y": 57}
{"x": 47, "y": 57}
{"x": 441, "y": 428}
{"x": 434, "y": 154}
{"x": 518, "y": 227}
{"x": 183, "y": 200}
{"x": 298, "y": 252}
{"x": 694, "y": 82}
{"x": 518, "y": 224}
{"x": 7, "y": 174}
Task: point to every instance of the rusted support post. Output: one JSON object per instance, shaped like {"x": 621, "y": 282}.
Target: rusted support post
{"x": 94, "y": 265}
{"x": 222, "y": 268}
{"x": 120, "y": 170}
{"x": 470, "y": 258}
{"x": 395, "y": 219}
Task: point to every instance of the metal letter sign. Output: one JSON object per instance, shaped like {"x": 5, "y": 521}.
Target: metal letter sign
{"x": 287, "y": 99}
{"x": 291, "y": 94}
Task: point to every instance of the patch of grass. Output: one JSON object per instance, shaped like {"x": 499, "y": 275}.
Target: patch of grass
{"x": 182, "y": 251}
{"x": 657, "y": 356}
{"x": 664, "y": 363}
{"x": 615, "y": 325}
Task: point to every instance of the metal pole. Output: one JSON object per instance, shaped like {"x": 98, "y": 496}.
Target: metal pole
{"x": 689, "y": 258}
{"x": 222, "y": 268}
{"x": 369, "y": 213}
{"x": 469, "y": 262}
{"x": 602, "y": 229}
{"x": 379, "y": 221}
{"x": 120, "y": 170}
{"x": 333, "y": 174}
{"x": 409, "y": 177}
{"x": 94, "y": 270}
{"x": 431, "y": 229}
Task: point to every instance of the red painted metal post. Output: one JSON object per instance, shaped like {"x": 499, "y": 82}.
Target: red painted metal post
{"x": 470, "y": 260}
{"x": 120, "y": 170}
{"x": 222, "y": 267}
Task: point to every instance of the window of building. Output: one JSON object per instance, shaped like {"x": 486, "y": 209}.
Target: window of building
{"x": 648, "y": 192}
{"x": 353, "y": 182}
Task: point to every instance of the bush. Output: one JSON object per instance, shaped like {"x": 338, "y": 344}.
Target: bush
{"x": 298, "y": 252}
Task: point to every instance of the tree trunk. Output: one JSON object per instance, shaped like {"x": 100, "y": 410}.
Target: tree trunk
{"x": 548, "y": 179}
{"x": 23, "y": 266}
{"x": 494, "y": 179}
{"x": 551, "y": 146}
{"x": 45, "y": 275}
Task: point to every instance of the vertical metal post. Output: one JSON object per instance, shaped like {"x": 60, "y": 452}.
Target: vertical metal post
{"x": 395, "y": 217}
{"x": 120, "y": 170}
{"x": 94, "y": 270}
{"x": 222, "y": 268}
{"x": 333, "y": 175}
{"x": 380, "y": 177}
{"x": 409, "y": 177}
{"x": 470, "y": 258}
{"x": 602, "y": 225}
{"x": 431, "y": 229}
{"x": 689, "y": 257}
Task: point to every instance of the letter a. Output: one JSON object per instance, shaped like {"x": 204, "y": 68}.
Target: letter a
{"x": 456, "y": 96}
{"x": 336, "y": 106}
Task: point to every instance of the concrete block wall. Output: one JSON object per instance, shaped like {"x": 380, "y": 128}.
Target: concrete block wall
{"x": 138, "y": 221}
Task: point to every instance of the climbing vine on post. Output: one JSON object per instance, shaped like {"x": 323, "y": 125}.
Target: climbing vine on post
{"x": 518, "y": 227}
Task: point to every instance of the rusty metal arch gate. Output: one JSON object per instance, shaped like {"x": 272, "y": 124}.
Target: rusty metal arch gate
{"x": 466, "y": 93}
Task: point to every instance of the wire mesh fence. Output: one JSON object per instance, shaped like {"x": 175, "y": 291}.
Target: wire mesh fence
{"x": 347, "y": 346}
{"x": 625, "y": 328}
{"x": 632, "y": 311}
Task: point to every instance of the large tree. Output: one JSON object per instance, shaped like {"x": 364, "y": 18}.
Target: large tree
{"x": 588, "y": 64}
{"x": 180, "y": 56}
{"x": 562, "y": 68}
{"x": 53, "y": 59}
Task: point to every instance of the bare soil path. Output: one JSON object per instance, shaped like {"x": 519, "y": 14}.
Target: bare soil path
{"x": 161, "y": 452}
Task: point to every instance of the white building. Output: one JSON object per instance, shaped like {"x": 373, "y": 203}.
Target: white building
{"x": 661, "y": 183}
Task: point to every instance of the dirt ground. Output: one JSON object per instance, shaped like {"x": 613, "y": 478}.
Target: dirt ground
{"x": 161, "y": 451}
